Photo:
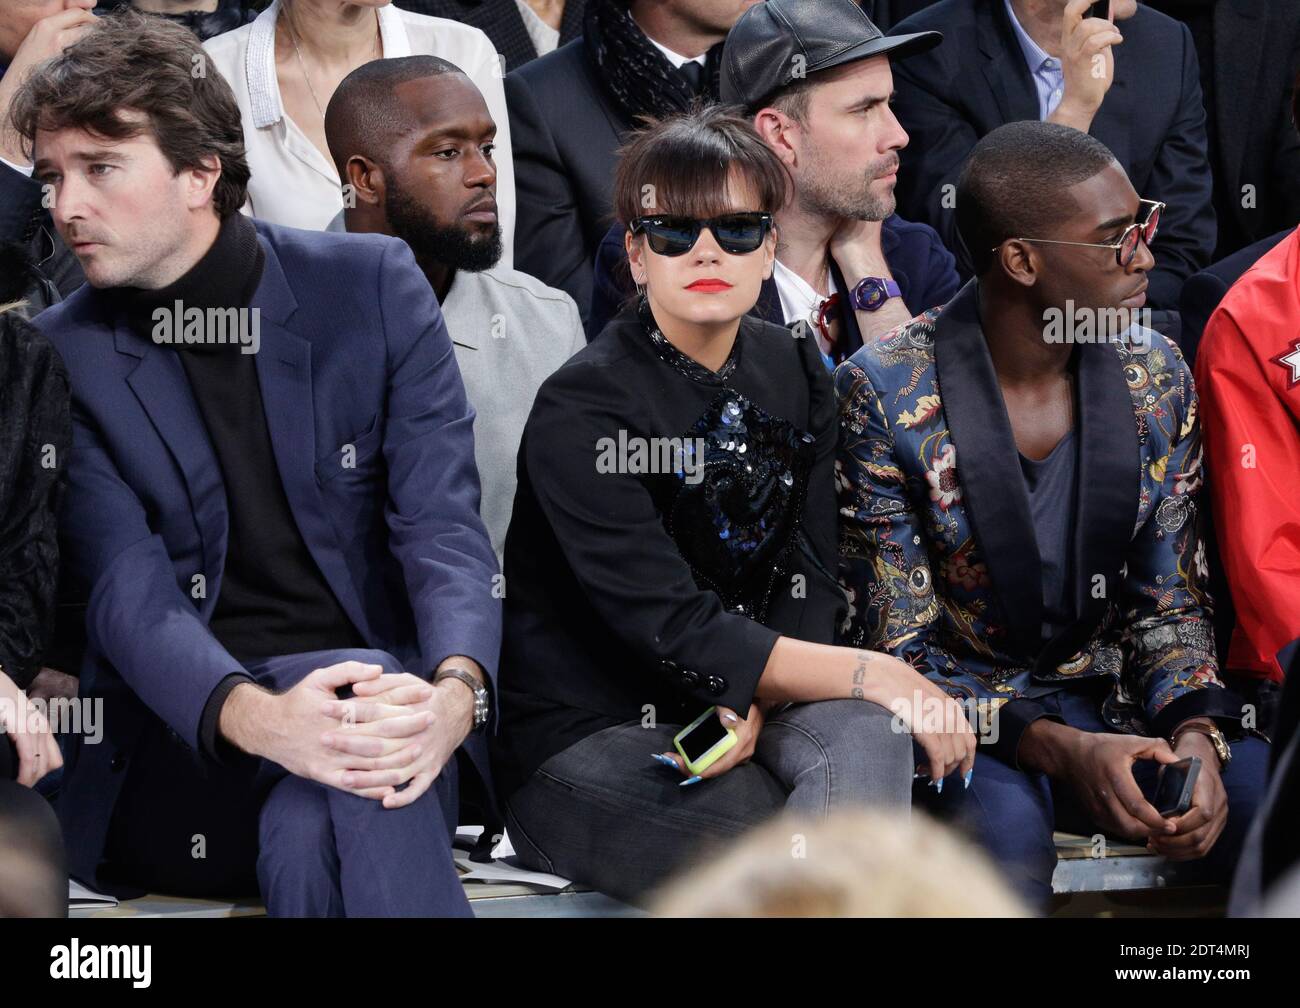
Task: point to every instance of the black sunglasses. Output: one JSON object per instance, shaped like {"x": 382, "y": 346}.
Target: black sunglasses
{"x": 737, "y": 233}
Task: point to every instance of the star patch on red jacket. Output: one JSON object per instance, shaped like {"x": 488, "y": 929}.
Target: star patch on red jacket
{"x": 1291, "y": 361}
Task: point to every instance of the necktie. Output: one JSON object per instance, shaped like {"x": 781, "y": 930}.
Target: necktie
{"x": 693, "y": 74}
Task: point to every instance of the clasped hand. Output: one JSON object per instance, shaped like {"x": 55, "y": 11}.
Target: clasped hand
{"x": 390, "y": 740}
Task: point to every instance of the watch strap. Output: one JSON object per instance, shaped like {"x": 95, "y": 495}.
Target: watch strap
{"x": 870, "y": 293}
{"x": 479, "y": 690}
{"x": 1216, "y": 737}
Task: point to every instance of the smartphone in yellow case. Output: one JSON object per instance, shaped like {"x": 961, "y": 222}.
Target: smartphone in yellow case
{"x": 703, "y": 741}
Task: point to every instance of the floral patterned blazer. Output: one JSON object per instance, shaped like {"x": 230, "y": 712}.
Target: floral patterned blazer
{"x": 938, "y": 554}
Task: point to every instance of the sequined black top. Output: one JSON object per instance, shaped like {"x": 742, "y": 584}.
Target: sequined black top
{"x": 670, "y": 523}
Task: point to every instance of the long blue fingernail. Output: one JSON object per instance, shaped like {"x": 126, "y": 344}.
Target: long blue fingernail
{"x": 939, "y": 787}
{"x": 969, "y": 774}
{"x": 663, "y": 759}
{"x": 690, "y": 780}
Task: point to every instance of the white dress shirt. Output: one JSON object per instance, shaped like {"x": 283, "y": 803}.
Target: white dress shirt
{"x": 292, "y": 182}
{"x": 1046, "y": 71}
{"x": 544, "y": 38}
{"x": 675, "y": 58}
{"x": 799, "y": 301}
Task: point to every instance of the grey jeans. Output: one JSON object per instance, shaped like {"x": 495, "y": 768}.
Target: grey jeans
{"x": 605, "y": 814}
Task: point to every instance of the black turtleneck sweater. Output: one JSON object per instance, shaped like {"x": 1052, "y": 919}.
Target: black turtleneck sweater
{"x": 274, "y": 599}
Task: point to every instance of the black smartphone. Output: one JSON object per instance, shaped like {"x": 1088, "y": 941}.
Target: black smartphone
{"x": 1174, "y": 786}
{"x": 1099, "y": 10}
{"x": 697, "y": 741}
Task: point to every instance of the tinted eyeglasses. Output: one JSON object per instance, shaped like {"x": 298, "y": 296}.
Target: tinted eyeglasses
{"x": 737, "y": 233}
{"x": 1127, "y": 246}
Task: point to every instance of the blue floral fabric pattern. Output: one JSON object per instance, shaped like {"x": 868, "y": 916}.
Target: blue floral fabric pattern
{"x": 919, "y": 584}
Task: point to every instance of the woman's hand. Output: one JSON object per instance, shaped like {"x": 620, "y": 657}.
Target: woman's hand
{"x": 38, "y": 752}
{"x": 746, "y": 738}
{"x": 937, "y": 721}
{"x": 802, "y": 672}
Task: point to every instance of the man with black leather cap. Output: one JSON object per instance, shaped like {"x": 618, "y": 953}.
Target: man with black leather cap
{"x": 847, "y": 267}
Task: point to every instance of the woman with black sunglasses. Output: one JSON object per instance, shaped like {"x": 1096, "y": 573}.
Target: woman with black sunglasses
{"x": 672, "y": 556}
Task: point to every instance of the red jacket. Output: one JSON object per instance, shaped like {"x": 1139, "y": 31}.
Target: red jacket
{"x": 1248, "y": 374}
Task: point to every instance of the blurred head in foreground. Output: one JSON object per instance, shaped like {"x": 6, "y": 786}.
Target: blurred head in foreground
{"x": 853, "y": 864}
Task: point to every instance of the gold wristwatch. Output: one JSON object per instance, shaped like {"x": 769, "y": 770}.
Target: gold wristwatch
{"x": 1221, "y": 747}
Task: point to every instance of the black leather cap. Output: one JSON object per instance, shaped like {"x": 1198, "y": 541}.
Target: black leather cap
{"x": 777, "y": 41}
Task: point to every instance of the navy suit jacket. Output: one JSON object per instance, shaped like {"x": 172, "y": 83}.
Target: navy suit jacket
{"x": 1203, "y": 292}
{"x": 1256, "y": 48}
{"x": 564, "y": 132}
{"x": 924, "y": 270}
{"x": 1152, "y": 119}
{"x": 353, "y": 352}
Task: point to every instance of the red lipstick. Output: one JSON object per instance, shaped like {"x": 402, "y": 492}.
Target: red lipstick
{"x": 709, "y": 285}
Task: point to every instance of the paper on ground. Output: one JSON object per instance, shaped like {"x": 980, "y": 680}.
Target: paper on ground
{"x": 503, "y": 871}
{"x": 82, "y": 898}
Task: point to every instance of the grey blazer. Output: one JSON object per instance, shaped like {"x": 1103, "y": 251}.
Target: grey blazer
{"x": 509, "y": 332}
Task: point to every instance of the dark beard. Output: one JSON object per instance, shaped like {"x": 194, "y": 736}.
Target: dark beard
{"x": 456, "y": 247}
{"x": 828, "y": 194}
{"x": 830, "y": 200}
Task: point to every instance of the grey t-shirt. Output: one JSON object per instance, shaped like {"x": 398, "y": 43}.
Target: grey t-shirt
{"x": 1051, "y": 484}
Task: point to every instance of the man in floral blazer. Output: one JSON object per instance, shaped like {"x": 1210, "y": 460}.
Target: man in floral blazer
{"x": 1018, "y": 474}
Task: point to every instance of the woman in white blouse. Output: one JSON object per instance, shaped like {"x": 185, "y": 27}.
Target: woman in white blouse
{"x": 285, "y": 66}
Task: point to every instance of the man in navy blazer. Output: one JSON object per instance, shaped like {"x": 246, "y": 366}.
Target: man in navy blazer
{"x": 1002, "y": 61}
{"x": 273, "y": 505}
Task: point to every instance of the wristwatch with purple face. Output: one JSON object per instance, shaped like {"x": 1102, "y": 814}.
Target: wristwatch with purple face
{"x": 870, "y": 293}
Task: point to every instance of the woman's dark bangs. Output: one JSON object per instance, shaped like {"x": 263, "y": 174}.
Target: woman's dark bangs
{"x": 691, "y": 176}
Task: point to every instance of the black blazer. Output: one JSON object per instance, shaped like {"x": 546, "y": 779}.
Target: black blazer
{"x": 1152, "y": 120}
{"x": 1256, "y": 56}
{"x": 1203, "y": 292}
{"x": 611, "y": 604}
{"x": 564, "y": 132}
{"x": 501, "y": 22}
{"x": 885, "y": 14}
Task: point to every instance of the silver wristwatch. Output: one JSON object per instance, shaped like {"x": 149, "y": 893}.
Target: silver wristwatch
{"x": 480, "y": 693}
